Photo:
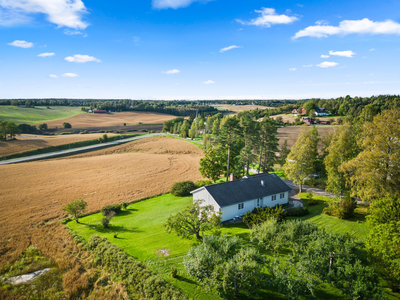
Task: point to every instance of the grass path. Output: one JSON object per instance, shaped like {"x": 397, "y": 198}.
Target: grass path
{"x": 39, "y": 114}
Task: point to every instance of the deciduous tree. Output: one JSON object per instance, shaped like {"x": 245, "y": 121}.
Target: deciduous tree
{"x": 75, "y": 208}
{"x": 193, "y": 219}
{"x": 303, "y": 155}
{"x": 12, "y": 129}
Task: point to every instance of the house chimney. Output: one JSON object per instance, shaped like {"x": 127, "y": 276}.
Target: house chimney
{"x": 262, "y": 183}
{"x": 232, "y": 178}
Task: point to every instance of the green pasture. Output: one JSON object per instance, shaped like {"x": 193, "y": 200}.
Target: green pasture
{"x": 140, "y": 232}
{"x": 39, "y": 114}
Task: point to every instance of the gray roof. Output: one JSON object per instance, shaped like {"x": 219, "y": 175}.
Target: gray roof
{"x": 233, "y": 192}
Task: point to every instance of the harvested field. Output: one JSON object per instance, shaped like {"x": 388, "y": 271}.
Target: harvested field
{"x": 239, "y": 108}
{"x": 33, "y": 194}
{"x": 28, "y": 142}
{"x": 291, "y": 134}
{"x": 112, "y": 119}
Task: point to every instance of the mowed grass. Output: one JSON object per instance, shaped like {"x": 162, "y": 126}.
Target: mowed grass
{"x": 142, "y": 235}
{"x": 39, "y": 114}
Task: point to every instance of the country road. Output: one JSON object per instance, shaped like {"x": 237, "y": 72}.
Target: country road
{"x": 74, "y": 150}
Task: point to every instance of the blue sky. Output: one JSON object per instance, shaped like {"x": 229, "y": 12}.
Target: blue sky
{"x": 185, "y": 49}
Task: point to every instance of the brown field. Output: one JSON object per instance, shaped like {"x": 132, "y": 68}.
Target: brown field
{"x": 239, "y": 108}
{"x": 291, "y": 134}
{"x": 112, "y": 119}
{"x": 32, "y": 194}
{"x": 28, "y": 142}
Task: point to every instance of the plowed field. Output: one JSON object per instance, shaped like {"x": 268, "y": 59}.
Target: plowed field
{"x": 112, "y": 119}
{"x": 28, "y": 142}
{"x": 33, "y": 194}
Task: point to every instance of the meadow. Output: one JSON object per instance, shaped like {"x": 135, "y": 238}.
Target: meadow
{"x": 38, "y": 114}
{"x": 141, "y": 234}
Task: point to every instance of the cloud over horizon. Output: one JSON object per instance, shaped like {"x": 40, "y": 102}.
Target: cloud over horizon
{"x": 79, "y": 58}
{"x": 209, "y": 82}
{"x": 269, "y": 17}
{"x": 47, "y": 54}
{"x": 64, "y": 13}
{"x": 21, "y": 44}
{"x": 347, "y": 53}
{"x": 175, "y": 4}
{"x": 173, "y": 71}
{"x": 71, "y": 75}
{"x": 364, "y": 26}
{"x": 327, "y": 64}
{"x": 229, "y": 48}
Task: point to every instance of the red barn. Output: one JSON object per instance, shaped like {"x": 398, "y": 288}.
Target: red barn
{"x": 100, "y": 111}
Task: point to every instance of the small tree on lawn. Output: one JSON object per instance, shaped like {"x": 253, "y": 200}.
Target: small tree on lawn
{"x": 193, "y": 219}
{"x": 75, "y": 208}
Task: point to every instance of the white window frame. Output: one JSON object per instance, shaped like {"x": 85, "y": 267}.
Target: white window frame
{"x": 273, "y": 197}
{"x": 241, "y": 206}
{"x": 282, "y": 195}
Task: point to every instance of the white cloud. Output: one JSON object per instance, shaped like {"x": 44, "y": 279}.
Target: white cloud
{"x": 55, "y": 76}
{"x": 173, "y": 71}
{"x": 364, "y": 26}
{"x": 209, "y": 82}
{"x": 66, "y": 13}
{"x": 322, "y": 22}
{"x": 79, "y": 58}
{"x": 229, "y": 48}
{"x": 268, "y": 17}
{"x": 69, "y": 75}
{"x": 74, "y": 32}
{"x": 292, "y": 69}
{"x": 347, "y": 53}
{"x": 164, "y": 4}
{"x": 372, "y": 49}
{"x": 324, "y": 56}
{"x": 47, "y": 54}
{"x": 307, "y": 66}
{"x": 21, "y": 44}
{"x": 327, "y": 64}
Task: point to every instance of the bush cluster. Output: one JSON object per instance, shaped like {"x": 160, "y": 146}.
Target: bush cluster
{"x": 106, "y": 210}
{"x": 140, "y": 282}
{"x": 201, "y": 183}
{"x": 343, "y": 210}
{"x": 297, "y": 212}
{"x": 183, "y": 188}
{"x": 310, "y": 200}
{"x": 261, "y": 214}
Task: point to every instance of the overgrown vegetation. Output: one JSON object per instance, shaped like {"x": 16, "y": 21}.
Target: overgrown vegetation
{"x": 183, "y": 188}
{"x": 262, "y": 214}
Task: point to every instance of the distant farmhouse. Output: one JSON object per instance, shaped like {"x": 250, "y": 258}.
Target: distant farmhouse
{"x": 100, "y": 111}
{"x": 311, "y": 121}
{"x": 235, "y": 198}
{"x": 320, "y": 112}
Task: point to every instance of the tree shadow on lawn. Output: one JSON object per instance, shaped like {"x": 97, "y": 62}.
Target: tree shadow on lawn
{"x": 112, "y": 228}
{"x": 126, "y": 212}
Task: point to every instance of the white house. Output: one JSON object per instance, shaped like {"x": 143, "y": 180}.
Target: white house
{"x": 235, "y": 198}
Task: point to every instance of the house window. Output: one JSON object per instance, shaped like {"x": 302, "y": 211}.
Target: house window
{"x": 282, "y": 195}
{"x": 240, "y": 206}
{"x": 273, "y": 197}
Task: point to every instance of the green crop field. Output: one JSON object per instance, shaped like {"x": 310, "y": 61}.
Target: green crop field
{"x": 39, "y": 114}
{"x": 142, "y": 235}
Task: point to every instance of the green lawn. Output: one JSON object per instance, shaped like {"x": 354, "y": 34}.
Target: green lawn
{"x": 141, "y": 234}
{"x": 39, "y": 114}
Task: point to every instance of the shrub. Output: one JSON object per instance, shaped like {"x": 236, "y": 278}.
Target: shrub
{"x": 310, "y": 199}
{"x": 261, "y": 214}
{"x": 67, "y": 125}
{"x": 183, "y": 188}
{"x": 43, "y": 126}
{"x": 124, "y": 205}
{"x": 106, "y": 221}
{"x": 116, "y": 208}
{"x": 297, "y": 212}
{"x": 347, "y": 205}
{"x": 201, "y": 183}
{"x": 174, "y": 272}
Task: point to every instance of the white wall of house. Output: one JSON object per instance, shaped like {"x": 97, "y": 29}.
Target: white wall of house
{"x": 231, "y": 211}
{"x": 203, "y": 194}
